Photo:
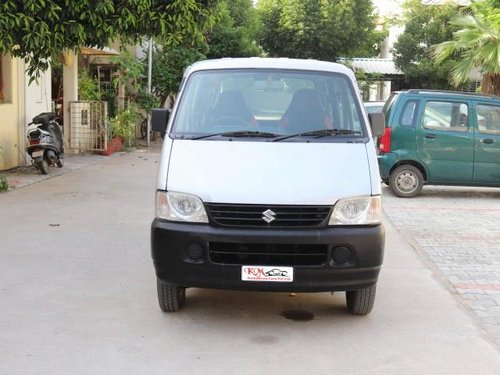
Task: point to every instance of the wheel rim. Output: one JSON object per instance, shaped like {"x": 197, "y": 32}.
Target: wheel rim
{"x": 407, "y": 182}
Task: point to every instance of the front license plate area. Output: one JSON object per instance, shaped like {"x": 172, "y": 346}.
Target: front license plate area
{"x": 37, "y": 154}
{"x": 275, "y": 274}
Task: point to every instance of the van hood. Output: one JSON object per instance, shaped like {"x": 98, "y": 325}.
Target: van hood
{"x": 248, "y": 172}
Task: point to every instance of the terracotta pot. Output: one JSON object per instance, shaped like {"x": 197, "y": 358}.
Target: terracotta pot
{"x": 115, "y": 144}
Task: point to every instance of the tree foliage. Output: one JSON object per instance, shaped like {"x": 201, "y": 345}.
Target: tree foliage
{"x": 233, "y": 35}
{"x": 235, "y": 31}
{"x": 322, "y": 29}
{"x": 477, "y": 43}
{"x": 425, "y": 26}
{"x": 36, "y": 30}
{"x": 169, "y": 63}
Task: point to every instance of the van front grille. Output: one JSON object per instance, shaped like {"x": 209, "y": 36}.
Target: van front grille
{"x": 268, "y": 254}
{"x": 262, "y": 216}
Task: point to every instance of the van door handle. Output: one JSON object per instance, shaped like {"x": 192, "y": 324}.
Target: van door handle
{"x": 430, "y": 136}
{"x": 487, "y": 141}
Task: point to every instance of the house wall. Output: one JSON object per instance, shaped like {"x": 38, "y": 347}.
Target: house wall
{"x": 22, "y": 102}
{"x": 9, "y": 114}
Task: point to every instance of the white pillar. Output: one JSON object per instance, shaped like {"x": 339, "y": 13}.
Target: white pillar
{"x": 23, "y": 120}
{"x": 70, "y": 90}
{"x": 387, "y": 90}
{"x": 150, "y": 74}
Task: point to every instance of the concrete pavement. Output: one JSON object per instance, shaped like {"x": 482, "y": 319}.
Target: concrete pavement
{"x": 78, "y": 296}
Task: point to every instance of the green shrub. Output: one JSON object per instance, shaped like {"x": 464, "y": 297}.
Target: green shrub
{"x": 4, "y": 184}
{"x": 88, "y": 87}
{"x": 123, "y": 124}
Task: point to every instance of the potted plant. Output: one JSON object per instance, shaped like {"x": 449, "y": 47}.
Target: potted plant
{"x": 121, "y": 128}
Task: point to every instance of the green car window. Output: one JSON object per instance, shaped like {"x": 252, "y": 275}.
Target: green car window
{"x": 408, "y": 115}
{"x": 446, "y": 116}
{"x": 488, "y": 118}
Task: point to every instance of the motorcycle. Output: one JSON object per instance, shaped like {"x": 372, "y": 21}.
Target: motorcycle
{"x": 45, "y": 142}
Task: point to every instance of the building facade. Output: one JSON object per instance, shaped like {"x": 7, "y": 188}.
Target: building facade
{"x": 19, "y": 103}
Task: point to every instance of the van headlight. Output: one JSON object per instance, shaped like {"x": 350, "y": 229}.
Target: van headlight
{"x": 180, "y": 207}
{"x": 357, "y": 211}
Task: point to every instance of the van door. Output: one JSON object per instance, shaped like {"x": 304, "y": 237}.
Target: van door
{"x": 487, "y": 144}
{"x": 445, "y": 140}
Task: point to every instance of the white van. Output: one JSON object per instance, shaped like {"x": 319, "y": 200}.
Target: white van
{"x": 268, "y": 180}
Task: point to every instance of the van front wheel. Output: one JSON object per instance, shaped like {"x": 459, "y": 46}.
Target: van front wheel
{"x": 406, "y": 181}
{"x": 360, "y": 302}
{"x": 170, "y": 297}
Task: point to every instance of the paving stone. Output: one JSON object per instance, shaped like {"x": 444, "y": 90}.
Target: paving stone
{"x": 457, "y": 229}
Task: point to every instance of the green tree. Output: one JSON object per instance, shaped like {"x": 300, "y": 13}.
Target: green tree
{"x": 37, "y": 30}
{"x": 425, "y": 26}
{"x": 326, "y": 29}
{"x": 169, "y": 63}
{"x": 477, "y": 44}
{"x": 232, "y": 36}
{"x": 235, "y": 31}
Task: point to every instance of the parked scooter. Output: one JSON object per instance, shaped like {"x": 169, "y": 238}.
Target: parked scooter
{"x": 45, "y": 142}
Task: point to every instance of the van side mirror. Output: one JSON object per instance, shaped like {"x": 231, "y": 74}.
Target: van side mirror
{"x": 159, "y": 119}
{"x": 377, "y": 122}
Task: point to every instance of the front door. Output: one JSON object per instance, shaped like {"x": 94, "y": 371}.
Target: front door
{"x": 445, "y": 141}
{"x": 487, "y": 142}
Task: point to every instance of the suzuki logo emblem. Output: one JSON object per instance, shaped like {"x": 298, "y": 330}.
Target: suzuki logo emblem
{"x": 268, "y": 216}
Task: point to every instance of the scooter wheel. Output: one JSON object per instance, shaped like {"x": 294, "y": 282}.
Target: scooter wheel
{"x": 44, "y": 166}
{"x": 60, "y": 163}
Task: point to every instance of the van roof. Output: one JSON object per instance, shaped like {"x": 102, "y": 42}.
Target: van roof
{"x": 270, "y": 63}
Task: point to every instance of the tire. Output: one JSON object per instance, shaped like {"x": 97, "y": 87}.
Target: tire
{"x": 144, "y": 128}
{"x": 360, "y": 302}
{"x": 60, "y": 163}
{"x": 43, "y": 166}
{"x": 170, "y": 297}
{"x": 406, "y": 181}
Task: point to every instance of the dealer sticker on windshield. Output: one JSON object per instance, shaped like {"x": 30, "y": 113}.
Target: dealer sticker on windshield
{"x": 265, "y": 273}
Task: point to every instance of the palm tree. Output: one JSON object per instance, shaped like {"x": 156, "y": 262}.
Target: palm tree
{"x": 477, "y": 45}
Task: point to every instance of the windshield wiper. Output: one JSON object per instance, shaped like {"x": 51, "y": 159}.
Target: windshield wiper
{"x": 241, "y": 134}
{"x": 319, "y": 133}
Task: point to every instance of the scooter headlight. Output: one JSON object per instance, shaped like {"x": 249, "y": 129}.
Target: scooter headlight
{"x": 357, "y": 211}
{"x": 180, "y": 207}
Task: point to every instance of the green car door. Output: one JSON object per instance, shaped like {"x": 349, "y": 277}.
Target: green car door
{"x": 487, "y": 144}
{"x": 445, "y": 140}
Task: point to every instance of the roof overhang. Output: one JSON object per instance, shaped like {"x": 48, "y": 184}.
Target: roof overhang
{"x": 93, "y": 51}
{"x": 384, "y": 67}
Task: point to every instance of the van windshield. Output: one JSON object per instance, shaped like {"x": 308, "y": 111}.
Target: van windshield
{"x": 266, "y": 104}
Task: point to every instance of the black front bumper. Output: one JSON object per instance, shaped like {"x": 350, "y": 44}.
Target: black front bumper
{"x": 174, "y": 262}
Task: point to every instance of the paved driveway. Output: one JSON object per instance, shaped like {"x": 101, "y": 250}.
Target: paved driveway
{"x": 78, "y": 296}
{"x": 456, "y": 230}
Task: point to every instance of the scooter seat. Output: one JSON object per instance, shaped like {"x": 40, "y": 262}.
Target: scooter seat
{"x": 44, "y": 118}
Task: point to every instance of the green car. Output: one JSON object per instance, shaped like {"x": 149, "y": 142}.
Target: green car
{"x": 439, "y": 138}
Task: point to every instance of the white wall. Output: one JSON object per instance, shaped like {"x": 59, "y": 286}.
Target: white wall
{"x": 38, "y": 96}
{"x": 34, "y": 98}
